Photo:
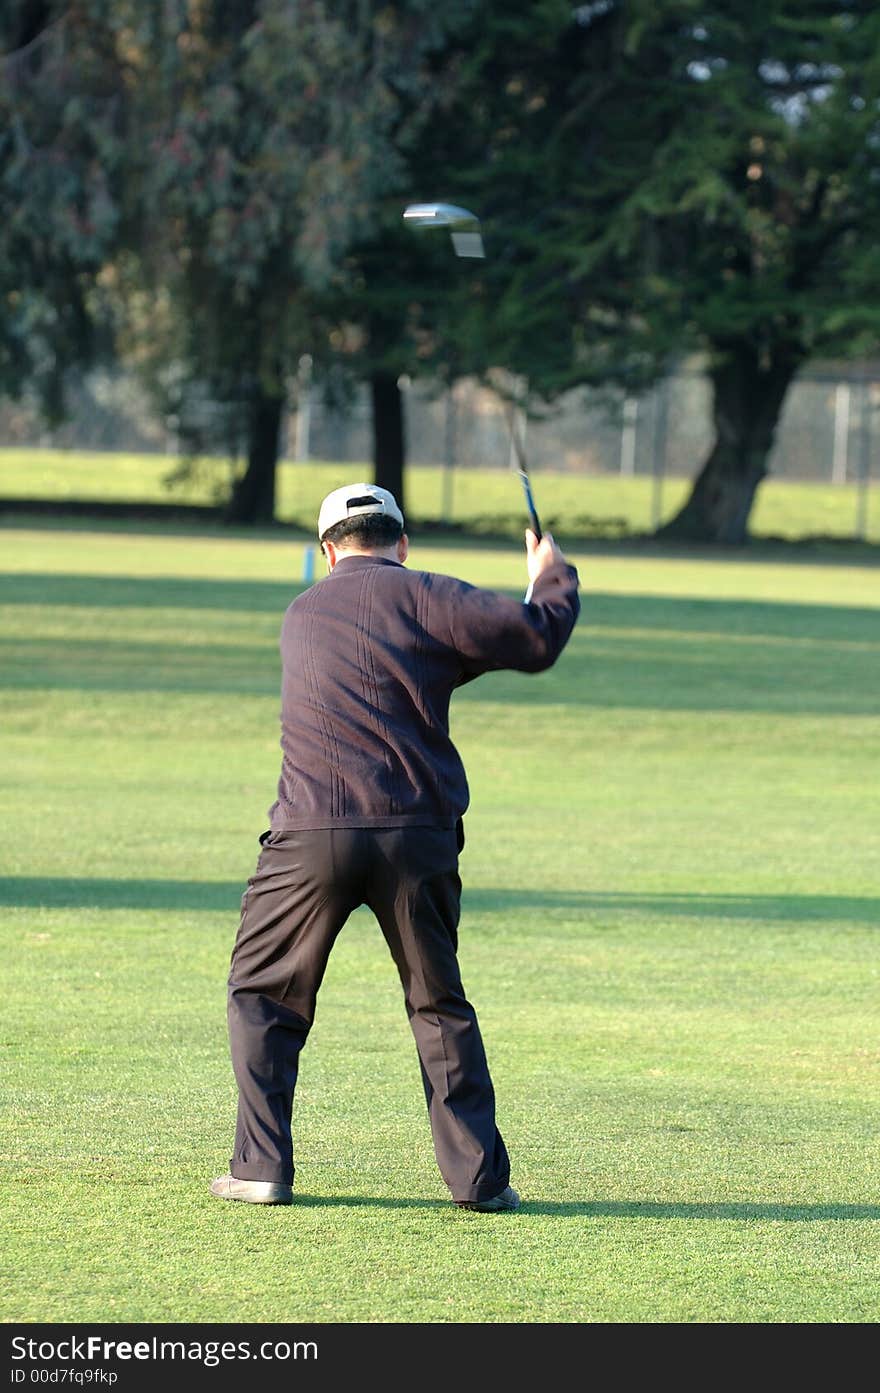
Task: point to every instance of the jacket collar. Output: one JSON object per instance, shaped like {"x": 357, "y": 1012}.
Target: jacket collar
{"x": 361, "y": 562}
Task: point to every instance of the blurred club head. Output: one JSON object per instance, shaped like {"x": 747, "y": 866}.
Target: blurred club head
{"x": 463, "y": 226}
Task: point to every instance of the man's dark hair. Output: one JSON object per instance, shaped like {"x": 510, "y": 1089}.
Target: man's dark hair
{"x": 369, "y": 531}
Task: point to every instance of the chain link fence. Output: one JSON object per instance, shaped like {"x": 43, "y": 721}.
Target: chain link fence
{"x": 829, "y": 431}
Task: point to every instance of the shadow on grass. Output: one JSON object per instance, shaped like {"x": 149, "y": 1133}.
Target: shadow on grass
{"x": 364, "y": 1202}
{"x": 653, "y": 1209}
{"x": 204, "y": 521}
{"x": 649, "y": 1209}
{"x": 148, "y": 592}
{"x": 856, "y": 908}
{"x": 60, "y": 892}
{"x": 642, "y": 652}
{"x": 768, "y": 619}
{"x": 622, "y": 1209}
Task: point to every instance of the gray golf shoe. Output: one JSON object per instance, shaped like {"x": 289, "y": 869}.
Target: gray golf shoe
{"x": 226, "y": 1187}
{"x": 506, "y": 1201}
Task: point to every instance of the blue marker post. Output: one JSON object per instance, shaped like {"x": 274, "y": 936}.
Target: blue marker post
{"x": 308, "y": 565}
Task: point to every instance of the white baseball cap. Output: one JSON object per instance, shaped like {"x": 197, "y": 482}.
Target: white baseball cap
{"x": 354, "y": 499}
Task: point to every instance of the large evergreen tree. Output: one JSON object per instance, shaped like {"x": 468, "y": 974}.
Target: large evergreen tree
{"x": 712, "y": 183}
{"x": 664, "y": 178}
{"x": 769, "y": 196}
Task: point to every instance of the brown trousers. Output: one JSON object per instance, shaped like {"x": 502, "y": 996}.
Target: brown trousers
{"x": 305, "y": 886}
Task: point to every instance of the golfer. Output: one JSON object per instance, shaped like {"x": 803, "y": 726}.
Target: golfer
{"x": 369, "y": 811}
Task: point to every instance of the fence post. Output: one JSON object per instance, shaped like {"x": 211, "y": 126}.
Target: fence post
{"x": 449, "y": 456}
{"x": 518, "y": 424}
{"x": 841, "y": 433}
{"x": 864, "y": 463}
{"x": 303, "y": 408}
{"x": 661, "y": 415}
{"x": 628, "y": 434}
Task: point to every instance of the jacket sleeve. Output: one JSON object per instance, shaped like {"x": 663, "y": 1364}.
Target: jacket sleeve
{"x": 491, "y": 631}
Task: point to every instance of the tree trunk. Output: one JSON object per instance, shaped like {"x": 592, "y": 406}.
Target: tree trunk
{"x": 388, "y": 440}
{"x": 747, "y": 398}
{"x": 253, "y": 498}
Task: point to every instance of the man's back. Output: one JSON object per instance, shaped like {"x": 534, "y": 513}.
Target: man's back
{"x": 371, "y": 656}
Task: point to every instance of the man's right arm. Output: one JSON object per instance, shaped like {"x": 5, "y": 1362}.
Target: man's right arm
{"x": 492, "y": 631}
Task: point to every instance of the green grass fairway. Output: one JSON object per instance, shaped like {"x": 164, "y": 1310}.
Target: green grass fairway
{"x": 484, "y": 499}
{"x": 671, "y": 913}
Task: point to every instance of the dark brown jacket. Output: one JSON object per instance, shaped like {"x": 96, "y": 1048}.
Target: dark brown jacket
{"x": 370, "y": 657}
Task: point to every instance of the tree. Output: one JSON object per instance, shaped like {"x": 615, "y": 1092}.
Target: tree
{"x": 501, "y": 142}
{"x": 763, "y": 201}
{"x": 667, "y": 178}
{"x": 731, "y": 199}
{"x": 395, "y": 314}
{"x": 406, "y": 304}
{"x": 62, "y": 156}
{"x": 267, "y": 127}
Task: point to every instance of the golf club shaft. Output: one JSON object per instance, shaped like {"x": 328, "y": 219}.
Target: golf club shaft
{"x": 465, "y": 229}
{"x": 534, "y": 523}
{"x": 523, "y": 471}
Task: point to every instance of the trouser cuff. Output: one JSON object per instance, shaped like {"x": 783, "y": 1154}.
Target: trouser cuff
{"x": 487, "y": 1190}
{"x": 276, "y": 1175}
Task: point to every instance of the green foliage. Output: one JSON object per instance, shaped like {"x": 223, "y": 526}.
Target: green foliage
{"x": 659, "y": 179}
{"x": 707, "y": 180}
{"x": 62, "y": 175}
{"x": 220, "y": 184}
{"x": 741, "y": 175}
{"x": 271, "y": 137}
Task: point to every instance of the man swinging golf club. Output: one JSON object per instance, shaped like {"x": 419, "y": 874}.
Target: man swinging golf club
{"x": 369, "y": 808}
